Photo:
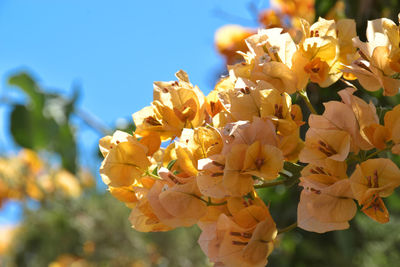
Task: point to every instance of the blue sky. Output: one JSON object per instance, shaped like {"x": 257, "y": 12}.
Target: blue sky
{"x": 113, "y": 51}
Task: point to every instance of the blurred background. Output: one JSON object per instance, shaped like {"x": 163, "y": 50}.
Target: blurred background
{"x": 74, "y": 71}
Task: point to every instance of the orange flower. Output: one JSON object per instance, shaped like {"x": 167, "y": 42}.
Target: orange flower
{"x": 297, "y": 8}
{"x": 322, "y": 144}
{"x": 264, "y": 161}
{"x": 317, "y": 69}
{"x": 235, "y": 180}
{"x": 176, "y": 201}
{"x": 210, "y": 178}
{"x": 244, "y": 161}
{"x": 326, "y": 202}
{"x": 270, "y": 18}
{"x": 392, "y": 125}
{"x": 370, "y": 129}
{"x": 244, "y": 132}
{"x": 247, "y": 212}
{"x": 372, "y": 180}
{"x": 228, "y": 244}
{"x": 243, "y": 102}
{"x": 339, "y": 116}
{"x": 231, "y": 38}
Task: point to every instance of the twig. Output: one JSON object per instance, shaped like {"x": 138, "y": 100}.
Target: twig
{"x": 288, "y": 228}
{"x": 270, "y": 184}
{"x": 92, "y": 122}
{"x": 304, "y": 96}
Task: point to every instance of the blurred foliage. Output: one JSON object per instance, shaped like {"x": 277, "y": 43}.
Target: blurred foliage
{"x": 44, "y": 121}
{"x": 93, "y": 226}
{"x": 96, "y": 227}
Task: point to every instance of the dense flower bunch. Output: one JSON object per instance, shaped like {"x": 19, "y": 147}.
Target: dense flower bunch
{"x": 245, "y": 135}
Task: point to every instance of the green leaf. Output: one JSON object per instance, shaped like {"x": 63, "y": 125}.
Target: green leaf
{"x": 44, "y": 123}
{"x": 155, "y": 171}
{"x": 29, "y": 86}
{"x": 30, "y": 130}
{"x": 322, "y": 7}
{"x": 171, "y": 164}
{"x": 20, "y": 124}
{"x": 64, "y": 144}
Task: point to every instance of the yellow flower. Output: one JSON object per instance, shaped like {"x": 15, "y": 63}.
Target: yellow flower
{"x": 125, "y": 162}
{"x": 346, "y": 31}
{"x": 316, "y": 59}
{"x": 269, "y": 60}
{"x": 379, "y": 57}
{"x": 7, "y": 233}
{"x": 68, "y": 183}
{"x": 277, "y": 107}
{"x": 176, "y": 105}
{"x": 231, "y": 38}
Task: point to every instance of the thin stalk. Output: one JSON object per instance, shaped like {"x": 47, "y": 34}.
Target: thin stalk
{"x": 270, "y": 184}
{"x": 379, "y": 151}
{"x": 152, "y": 175}
{"x": 92, "y": 122}
{"x": 288, "y": 228}
{"x": 208, "y": 202}
{"x": 304, "y": 96}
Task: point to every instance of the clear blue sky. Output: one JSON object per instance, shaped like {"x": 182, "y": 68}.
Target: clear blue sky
{"x": 113, "y": 49}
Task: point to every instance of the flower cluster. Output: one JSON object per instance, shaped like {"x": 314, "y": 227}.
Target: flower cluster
{"x": 196, "y": 159}
{"x": 28, "y": 176}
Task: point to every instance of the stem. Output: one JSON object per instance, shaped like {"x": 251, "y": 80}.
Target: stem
{"x": 270, "y": 184}
{"x": 284, "y": 174}
{"x": 348, "y": 83}
{"x": 379, "y": 151}
{"x": 216, "y": 204}
{"x": 152, "y": 175}
{"x": 92, "y": 122}
{"x": 288, "y": 228}
{"x": 209, "y": 203}
{"x": 304, "y": 96}
{"x": 352, "y": 158}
